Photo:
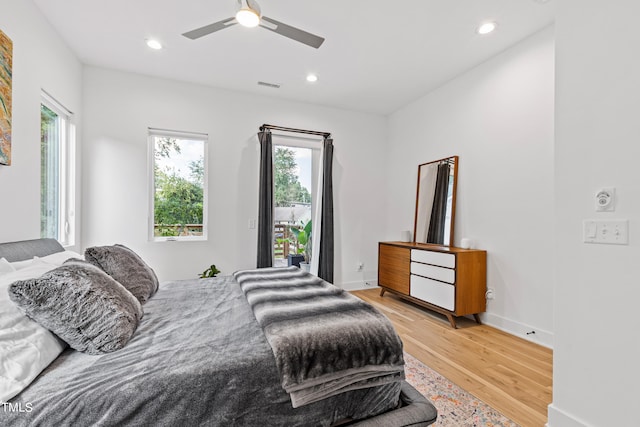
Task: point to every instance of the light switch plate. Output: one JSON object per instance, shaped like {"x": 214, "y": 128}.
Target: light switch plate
{"x": 610, "y": 232}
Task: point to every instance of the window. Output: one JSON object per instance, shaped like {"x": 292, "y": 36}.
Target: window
{"x": 179, "y": 185}
{"x": 296, "y": 162}
{"x": 57, "y": 172}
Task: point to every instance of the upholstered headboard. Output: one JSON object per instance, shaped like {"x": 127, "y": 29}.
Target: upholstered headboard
{"x": 27, "y": 249}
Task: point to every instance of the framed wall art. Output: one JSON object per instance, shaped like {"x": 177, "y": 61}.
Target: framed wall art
{"x": 6, "y": 64}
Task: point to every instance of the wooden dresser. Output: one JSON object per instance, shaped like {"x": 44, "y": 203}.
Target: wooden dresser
{"x": 451, "y": 281}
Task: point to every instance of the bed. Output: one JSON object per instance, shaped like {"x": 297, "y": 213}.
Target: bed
{"x": 201, "y": 355}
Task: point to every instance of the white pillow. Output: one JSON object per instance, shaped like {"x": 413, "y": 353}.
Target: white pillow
{"x": 26, "y": 348}
{"x": 60, "y": 257}
{"x": 5, "y": 266}
{"x": 19, "y": 265}
{"x": 57, "y": 259}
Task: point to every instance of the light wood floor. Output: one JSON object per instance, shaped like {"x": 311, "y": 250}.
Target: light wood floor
{"x": 508, "y": 373}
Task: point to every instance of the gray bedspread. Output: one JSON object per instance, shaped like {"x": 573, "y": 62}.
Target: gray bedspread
{"x": 325, "y": 341}
{"x": 198, "y": 358}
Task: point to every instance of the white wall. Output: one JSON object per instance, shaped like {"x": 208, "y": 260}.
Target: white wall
{"x": 596, "y": 373}
{"x": 40, "y": 61}
{"x": 498, "y": 118}
{"x": 120, "y": 106}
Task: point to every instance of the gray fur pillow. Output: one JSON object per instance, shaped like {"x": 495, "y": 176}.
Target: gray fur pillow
{"x": 82, "y": 305}
{"x": 126, "y": 267}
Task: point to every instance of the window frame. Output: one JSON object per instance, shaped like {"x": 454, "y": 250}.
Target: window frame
{"x": 66, "y": 181}
{"x": 315, "y": 145}
{"x": 193, "y": 136}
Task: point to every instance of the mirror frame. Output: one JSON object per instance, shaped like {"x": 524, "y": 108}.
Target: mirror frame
{"x": 453, "y": 201}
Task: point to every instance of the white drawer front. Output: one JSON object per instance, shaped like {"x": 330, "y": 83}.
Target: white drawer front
{"x": 434, "y": 292}
{"x": 435, "y": 258}
{"x": 439, "y": 273}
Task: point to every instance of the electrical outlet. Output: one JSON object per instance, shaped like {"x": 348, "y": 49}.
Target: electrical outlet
{"x": 359, "y": 266}
{"x": 490, "y": 294}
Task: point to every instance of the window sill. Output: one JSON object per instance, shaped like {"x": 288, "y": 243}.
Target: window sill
{"x": 180, "y": 239}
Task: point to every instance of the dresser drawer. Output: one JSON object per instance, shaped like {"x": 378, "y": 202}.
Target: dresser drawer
{"x": 439, "y": 273}
{"x": 434, "y": 292}
{"x": 435, "y": 258}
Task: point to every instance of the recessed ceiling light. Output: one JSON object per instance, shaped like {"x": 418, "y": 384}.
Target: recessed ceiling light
{"x": 487, "y": 27}
{"x": 312, "y": 78}
{"x": 154, "y": 44}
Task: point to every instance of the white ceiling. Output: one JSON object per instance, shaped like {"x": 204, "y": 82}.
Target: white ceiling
{"x": 379, "y": 55}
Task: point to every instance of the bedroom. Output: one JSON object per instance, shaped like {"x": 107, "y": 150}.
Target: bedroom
{"x": 577, "y": 139}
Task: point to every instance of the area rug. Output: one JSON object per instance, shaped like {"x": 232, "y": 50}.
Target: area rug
{"x": 456, "y": 407}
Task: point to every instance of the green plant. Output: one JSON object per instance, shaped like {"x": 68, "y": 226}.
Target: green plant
{"x": 280, "y": 249}
{"x": 210, "y": 272}
{"x": 166, "y": 230}
{"x": 302, "y": 241}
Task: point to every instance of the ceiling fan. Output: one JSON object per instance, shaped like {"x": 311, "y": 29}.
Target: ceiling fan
{"x": 249, "y": 15}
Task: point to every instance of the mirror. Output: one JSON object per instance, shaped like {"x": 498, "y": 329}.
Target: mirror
{"x": 436, "y": 202}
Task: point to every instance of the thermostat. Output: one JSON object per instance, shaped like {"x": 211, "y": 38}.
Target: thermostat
{"x": 605, "y": 199}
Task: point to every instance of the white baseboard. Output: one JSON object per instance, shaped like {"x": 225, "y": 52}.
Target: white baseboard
{"x": 355, "y": 286}
{"x": 559, "y": 418}
{"x": 544, "y": 338}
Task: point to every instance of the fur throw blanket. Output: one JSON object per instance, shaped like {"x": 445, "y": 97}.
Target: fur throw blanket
{"x": 325, "y": 340}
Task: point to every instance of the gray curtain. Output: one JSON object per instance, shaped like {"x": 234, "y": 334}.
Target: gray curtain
{"x": 439, "y": 211}
{"x": 265, "y": 202}
{"x": 325, "y": 260}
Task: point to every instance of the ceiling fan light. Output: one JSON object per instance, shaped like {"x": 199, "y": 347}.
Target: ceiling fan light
{"x": 247, "y": 17}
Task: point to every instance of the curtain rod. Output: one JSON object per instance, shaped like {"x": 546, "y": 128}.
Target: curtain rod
{"x": 283, "y": 129}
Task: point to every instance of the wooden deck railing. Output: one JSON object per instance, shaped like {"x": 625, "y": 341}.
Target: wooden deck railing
{"x": 281, "y": 235}
{"x": 283, "y": 243}
{"x": 177, "y": 230}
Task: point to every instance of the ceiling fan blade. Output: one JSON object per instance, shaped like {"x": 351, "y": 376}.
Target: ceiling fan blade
{"x": 211, "y": 28}
{"x": 293, "y": 33}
